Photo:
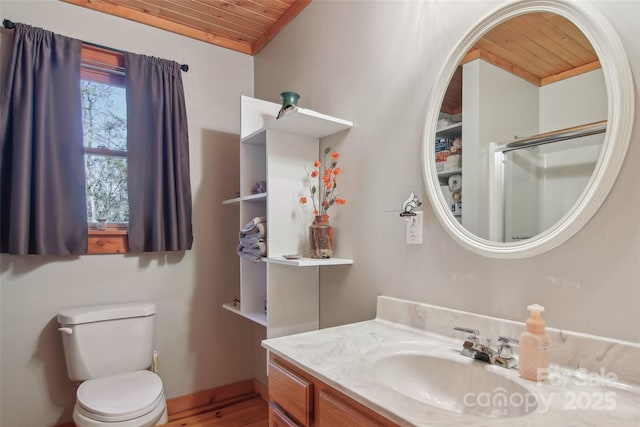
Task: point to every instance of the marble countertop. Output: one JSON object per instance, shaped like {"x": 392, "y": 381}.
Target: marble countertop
{"x": 344, "y": 356}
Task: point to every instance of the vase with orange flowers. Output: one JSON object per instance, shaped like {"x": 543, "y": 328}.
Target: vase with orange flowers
{"x": 323, "y": 183}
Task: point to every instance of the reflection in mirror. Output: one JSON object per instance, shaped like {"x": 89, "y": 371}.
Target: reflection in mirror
{"x": 533, "y": 74}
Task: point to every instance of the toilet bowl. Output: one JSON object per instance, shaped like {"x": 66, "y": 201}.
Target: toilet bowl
{"x": 134, "y": 399}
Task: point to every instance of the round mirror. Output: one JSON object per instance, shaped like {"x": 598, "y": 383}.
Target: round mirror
{"x": 527, "y": 127}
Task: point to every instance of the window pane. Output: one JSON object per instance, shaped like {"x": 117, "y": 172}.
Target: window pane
{"x": 107, "y": 188}
{"x": 105, "y": 126}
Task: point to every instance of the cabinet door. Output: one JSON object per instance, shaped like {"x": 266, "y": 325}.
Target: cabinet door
{"x": 334, "y": 411}
{"x": 291, "y": 392}
{"x": 277, "y": 418}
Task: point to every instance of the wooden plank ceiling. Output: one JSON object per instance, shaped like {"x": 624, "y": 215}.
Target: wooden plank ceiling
{"x": 541, "y": 48}
{"x": 242, "y": 25}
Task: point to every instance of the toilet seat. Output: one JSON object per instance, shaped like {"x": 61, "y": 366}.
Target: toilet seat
{"x": 120, "y": 398}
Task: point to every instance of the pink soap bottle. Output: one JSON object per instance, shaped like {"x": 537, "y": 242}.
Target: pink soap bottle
{"x": 534, "y": 347}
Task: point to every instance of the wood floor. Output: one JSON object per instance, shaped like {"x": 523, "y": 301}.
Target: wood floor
{"x": 252, "y": 412}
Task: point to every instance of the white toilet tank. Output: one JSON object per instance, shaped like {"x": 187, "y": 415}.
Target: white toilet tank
{"x": 105, "y": 340}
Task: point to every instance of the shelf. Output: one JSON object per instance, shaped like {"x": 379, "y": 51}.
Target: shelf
{"x": 451, "y": 131}
{"x": 449, "y": 172}
{"x": 450, "y": 127}
{"x": 310, "y": 123}
{"x": 301, "y": 122}
{"x": 249, "y": 198}
{"x": 308, "y": 262}
{"x": 260, "y": 318}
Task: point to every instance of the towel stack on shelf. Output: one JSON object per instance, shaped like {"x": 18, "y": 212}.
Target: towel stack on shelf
{"x": 253, "y": 244}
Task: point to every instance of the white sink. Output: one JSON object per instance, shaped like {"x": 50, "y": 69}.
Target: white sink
{"x": 461, "y": 386}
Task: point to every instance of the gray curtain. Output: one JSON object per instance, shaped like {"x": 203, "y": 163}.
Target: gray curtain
{"x": 157, "y": 156}
{"x": 42, "y": 188}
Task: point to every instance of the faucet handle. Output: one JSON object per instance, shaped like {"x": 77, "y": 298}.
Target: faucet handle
{"x": 507, "y": 340}
{"x": 505, "y": 357}
{"x": 504, "y": 348}
{"x": 471, "y": 339}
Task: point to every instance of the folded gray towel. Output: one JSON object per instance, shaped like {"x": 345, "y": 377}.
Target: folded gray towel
{"x": 260, "y": 187}
{"x": 253, "y": 223}
{"x": 250, "y": 239}
{"x": 257, "y": 230}
{"x": 249, "y": 257}
{"x": 253, "y": 252}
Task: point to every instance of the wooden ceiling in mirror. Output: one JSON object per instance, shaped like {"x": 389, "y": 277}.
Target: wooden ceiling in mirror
{"x": 540, "y": 47}
{"x": 242, "y": 25}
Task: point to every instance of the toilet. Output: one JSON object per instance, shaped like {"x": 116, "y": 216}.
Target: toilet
{"x": 110, "y": 349}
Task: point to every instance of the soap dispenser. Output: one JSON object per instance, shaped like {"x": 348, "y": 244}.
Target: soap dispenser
{"x": 534, "y": 347}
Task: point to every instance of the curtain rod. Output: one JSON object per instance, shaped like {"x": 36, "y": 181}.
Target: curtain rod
{"x": 558, "y": 135}
{"x": 10, "y": 25}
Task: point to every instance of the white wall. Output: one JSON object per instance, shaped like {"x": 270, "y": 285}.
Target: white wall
{"x": 201, "y": 345}
{"x": 496, "y": 106}
{"x": 375, "y": 62}
{"x": 572, "y": 102}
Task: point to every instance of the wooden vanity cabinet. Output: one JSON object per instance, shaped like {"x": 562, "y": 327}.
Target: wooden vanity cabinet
{"x": 277, "y": 417}
{"x": 335, "y": 410}
{"x": 296, "y": 399}
{"x": 291, "y": 392}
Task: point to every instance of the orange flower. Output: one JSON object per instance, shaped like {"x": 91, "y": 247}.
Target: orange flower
{"x": 324, "y": 191}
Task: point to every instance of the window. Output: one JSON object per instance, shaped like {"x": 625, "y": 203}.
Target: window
{"x": 51, "y": 161}
{"x": 104, "y": 120}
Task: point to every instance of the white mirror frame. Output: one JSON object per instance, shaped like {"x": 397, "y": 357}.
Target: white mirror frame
{"x": 620, "y": 102}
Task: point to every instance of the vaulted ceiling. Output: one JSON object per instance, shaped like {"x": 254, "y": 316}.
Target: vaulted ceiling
{"x": 242, "y": 25}
{"x": 540, "y": 47}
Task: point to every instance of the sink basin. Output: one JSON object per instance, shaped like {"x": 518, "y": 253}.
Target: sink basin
{"x": 466, "y": 387}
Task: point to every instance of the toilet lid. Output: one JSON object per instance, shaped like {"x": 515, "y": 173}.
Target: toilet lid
{"x": 120, "y": 397}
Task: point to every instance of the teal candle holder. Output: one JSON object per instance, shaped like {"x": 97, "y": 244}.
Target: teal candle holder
{"x": 289, "y": 102}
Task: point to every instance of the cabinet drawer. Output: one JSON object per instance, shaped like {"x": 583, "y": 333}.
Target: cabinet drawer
{"x": 277, "y": 418}
{"x": 291, "y": 392}
{"x": 333, "y": 411}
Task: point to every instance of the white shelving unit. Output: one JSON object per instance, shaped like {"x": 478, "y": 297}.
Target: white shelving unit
{"x": 251, "y": 197}
{"x": 452, "y": 131}
{"x": 280, "y": 152}
{"x": 308, "y": 262}
{"x": 259, "y": 317}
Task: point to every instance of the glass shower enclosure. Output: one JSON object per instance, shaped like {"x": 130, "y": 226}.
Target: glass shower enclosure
{"x": 538, "y": 180}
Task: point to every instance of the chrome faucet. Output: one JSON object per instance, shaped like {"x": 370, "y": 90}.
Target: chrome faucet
{"x": 473, "y": 348}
